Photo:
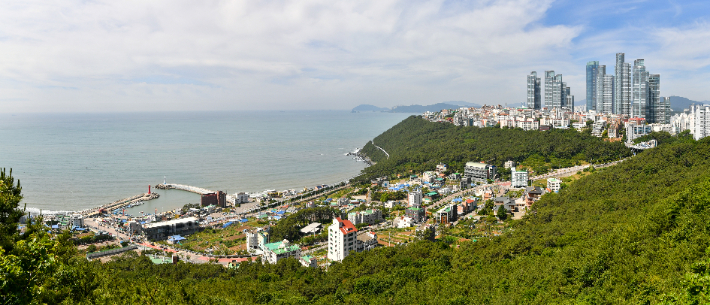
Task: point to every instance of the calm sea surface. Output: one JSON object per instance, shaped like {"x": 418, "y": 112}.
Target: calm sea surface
{"x": 78, "y": 161}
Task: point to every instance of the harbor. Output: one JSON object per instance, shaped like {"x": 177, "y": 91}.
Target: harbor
{"x": 119, "y": 204}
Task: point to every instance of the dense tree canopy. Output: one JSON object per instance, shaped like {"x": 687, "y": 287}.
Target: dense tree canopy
{"x": 636, "y": 232}
{"x": 418, "y": 145}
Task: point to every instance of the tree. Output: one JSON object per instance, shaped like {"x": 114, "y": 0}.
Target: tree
{"x": 91, "y": 248}
{"x": 10, "y": 214}
{"x": 502, "y": 213}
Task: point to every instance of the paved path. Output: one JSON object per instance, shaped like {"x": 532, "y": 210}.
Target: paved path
{"x": 373, "y": 143}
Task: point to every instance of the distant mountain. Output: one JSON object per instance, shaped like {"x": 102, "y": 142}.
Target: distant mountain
{"x": 679, "y": 103}
{"x": 433, "y": 108}
{"x": 369, "y": 108}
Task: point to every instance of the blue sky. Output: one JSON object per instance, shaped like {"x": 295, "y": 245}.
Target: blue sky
{"x": 104, "y": 56}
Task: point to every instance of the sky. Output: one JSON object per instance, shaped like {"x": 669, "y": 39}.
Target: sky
{"x": 129, "y": 56}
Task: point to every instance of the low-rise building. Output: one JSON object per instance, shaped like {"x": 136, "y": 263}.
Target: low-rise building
{"x": 506, "y": 202}
{"x": 366, "y": 242}
{"x": 447, "y": 214}
{"x": 416, "y": 213}
{"x": 532, "y": 194}
{"x": 241, "y": 198}
{"x": 77, "y": 220}
{"x": 415, "y": 198}
{"x": 256, "y": 239}
{"x": 518, "y": 178}
{"x": 554, "y": 184}
{"x": 509, "y": 164}
{"x": 312, "y": 228}
{"x": 161, "y": 230}
{"x": 402, "y": 222}
{"x": 274, "y": 252}
{"x": 479, "y": 172}
{"x": 368, "y": 216}
{"x": 308, "y": 261}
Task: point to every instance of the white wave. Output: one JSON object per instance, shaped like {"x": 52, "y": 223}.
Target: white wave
{"x": 36, "y": 211}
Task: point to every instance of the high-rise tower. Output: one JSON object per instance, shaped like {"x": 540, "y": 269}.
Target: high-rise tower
{"x": 622, "y": 86}
{"x": 656, "y": 113}
{"x": 592, "y": 71}
{"x": 557, "y": 91}
{"x": 549, "y": 80}
{"x": 534, "y": 95}
{"x": 640, "y": 90}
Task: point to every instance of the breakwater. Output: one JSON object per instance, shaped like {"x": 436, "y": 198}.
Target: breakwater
{"x": 192, "y": 189}
{"x": 119, "y": 204}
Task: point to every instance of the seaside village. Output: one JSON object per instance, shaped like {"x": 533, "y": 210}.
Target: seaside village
{"x": 322, "y": 225}
{"x": 439, "y": 204}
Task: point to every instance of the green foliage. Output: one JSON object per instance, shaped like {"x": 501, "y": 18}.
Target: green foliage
{"x": 418, "y": 145}
{"x": 636, "y": 233}
{"x": 502, "y": 213}
{"x": 665, "y": 137}
{"x": 289, "y": 227}
{"x": 10, "y": 214}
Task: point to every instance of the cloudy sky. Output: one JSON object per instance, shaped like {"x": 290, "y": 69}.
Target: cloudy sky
{"x": 105, "y": 56}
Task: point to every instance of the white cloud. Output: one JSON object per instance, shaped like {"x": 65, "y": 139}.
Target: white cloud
{"x": 185, "y": 55}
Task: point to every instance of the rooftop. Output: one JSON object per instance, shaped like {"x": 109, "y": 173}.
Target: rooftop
{"x": 171, "y": 222}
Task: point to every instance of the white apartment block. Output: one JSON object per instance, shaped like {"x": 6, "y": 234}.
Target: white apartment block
{"x": 518, "y": 178}
{"x": 342, "y": 239}
{"x": 241, "y": 198}
{"x": 415, "y": 199}
{"x": 369, "y": 216}
{"x": 701, "y": 118}
{"x": 554, "y": 184}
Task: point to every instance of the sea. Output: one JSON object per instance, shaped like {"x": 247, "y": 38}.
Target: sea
{"x": 71, "y": 162}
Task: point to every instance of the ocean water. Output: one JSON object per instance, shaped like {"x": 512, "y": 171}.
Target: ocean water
{"x": 71, "y": 162}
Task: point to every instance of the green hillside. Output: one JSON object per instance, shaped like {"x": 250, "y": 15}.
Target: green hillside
{"x": 637, "y": 232}
{"x": 416, "y": 144}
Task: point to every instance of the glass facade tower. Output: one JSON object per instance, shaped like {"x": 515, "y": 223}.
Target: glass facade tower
{"x": 534, "y": 95}
{"x": 592, "y": 71}
{"x": 622, "y": 86}
{"x": 549, "y": 80}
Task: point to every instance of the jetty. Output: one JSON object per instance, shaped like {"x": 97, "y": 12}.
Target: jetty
{"x": 191, "y": 189}
{"x": 119, "y": 204}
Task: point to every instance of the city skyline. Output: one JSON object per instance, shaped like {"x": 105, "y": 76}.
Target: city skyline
{"x": 123, "y": 56}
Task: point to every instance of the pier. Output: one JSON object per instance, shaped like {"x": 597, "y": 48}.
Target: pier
{"x": 191, "y": 189}
{"x": 119, "y": 204}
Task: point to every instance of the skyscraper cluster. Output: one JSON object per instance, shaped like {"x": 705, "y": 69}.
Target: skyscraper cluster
{"x": 557, "y": 94}
{"x": 631, "y": 91}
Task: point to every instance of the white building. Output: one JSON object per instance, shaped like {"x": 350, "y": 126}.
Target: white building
{"x": 256, "y": 239}
{"x": 509, "y": 164}
{"x": 402, "y": 222}
{"x": 241, "y": 198}
{"x": 368, "y": 216}
{"x": 274, "y": 252}
{"x": 77, "y": 220}
{"x": 366, "y": 242}
{"x": 415, "y": 198}
{"x": 161, "y": 230}
{"x": 518, "y": 178}
{"x": 554, "y": 184}
{"x": 701, "y": 117}
{"x": 342, "y": 239}
{"x": 308, "y": 261}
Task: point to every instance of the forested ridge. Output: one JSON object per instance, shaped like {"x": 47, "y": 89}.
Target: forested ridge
{"x": 637, "y": 232}
{"x": 418, "y": 145}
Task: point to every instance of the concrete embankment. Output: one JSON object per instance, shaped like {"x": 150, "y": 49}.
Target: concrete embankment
{"x": 120, "y": 203}
{"x": 192, "y": 189}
